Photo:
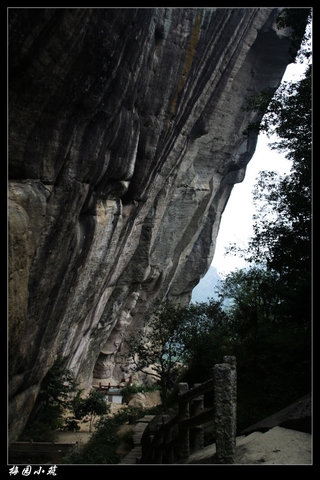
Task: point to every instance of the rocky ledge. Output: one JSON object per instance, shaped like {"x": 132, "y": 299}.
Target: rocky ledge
{"x": 125, "y": 141}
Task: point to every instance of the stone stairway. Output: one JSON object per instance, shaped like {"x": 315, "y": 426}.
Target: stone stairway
{"x": 135, "y": 454}
{"x": 277, "y": 446}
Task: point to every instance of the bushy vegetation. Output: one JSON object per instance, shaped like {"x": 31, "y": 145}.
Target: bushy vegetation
{"x": 59, "y": 405}
{"x": 156, "y": 348}
{"x": 55, "y": 398}
{"x": 134, "y": 388}
{"x": 93, "y": 405}
{"x": 104, "y": 442}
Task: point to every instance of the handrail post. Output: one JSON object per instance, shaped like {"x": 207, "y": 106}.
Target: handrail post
{"x": 225, "y": 402}
{"x": 167, "y": 437}
{"x": 184, "y": 414}
{"x": 157, "y": 456}
{"x": 198, "y": 432}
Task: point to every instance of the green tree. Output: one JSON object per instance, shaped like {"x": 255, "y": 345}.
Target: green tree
{"x": 282, "y": 225}
{"x": 270, "y": 311}
{"x": 298, "y": 19}
{"x": 155, "y": 349}
{"x": 57, "y": 390}
{"x": 254, "y": 299}
{"x": 206, "y": 336}
{"x": 93, "y": 405}
{"x": 272, "y": 351}
{"x": 178, "y": 341}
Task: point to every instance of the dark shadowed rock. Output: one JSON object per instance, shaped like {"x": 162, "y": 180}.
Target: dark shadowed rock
{"x": 295, "y": 417}
{"x": 125, "y": 140}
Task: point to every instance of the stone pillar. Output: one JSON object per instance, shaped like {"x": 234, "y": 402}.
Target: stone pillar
{"x": 198, "y": 432}
{"x": 167, "y": 457}
{"x": 184, "y": 414}
{"x": 225, "y": 403}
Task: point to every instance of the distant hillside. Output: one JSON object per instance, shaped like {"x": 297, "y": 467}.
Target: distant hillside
{"x": 206, "y": 287}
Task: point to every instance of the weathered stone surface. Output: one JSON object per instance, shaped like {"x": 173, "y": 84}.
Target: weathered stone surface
{"x": 125, "y": 141}
{"x": 145, "y": 400}
{"x": 225, "y": 404}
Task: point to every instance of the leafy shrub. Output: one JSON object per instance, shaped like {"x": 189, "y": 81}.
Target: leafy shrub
{"x": 71, "y": 425}
{"x": 102, "y": 446}
{"x": 38, "y": 432}
{"x": 132, "y": 389}
{"x": 93, "y": 405}
{"x": 55, "y": 397}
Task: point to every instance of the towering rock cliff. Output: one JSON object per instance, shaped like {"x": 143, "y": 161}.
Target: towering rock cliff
{"x": 125, "y": 141}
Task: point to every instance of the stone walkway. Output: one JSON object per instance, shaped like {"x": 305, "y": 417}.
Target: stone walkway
{"x": 135, "y": 454}
{"x": 278, "y": 446}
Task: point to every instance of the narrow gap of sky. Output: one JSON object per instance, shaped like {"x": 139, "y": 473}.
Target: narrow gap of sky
{"x": 236, "y": 221}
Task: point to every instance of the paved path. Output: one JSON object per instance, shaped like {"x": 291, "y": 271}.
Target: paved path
{"x": 135, "y": 454}
{"x": 277, "y": 446}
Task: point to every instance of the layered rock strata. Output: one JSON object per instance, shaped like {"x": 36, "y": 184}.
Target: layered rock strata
{"x": 125, "y": 141}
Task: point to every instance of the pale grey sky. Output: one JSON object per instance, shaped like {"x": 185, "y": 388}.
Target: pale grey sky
{"x": 236, "y": 222}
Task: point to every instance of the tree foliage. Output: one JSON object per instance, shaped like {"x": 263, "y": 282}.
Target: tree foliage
{"x": 56, "y": 393}
{"x": 281, "y": 240}
{"x": 206, "y": 337}
{"x": 298, "y": 20}
{"x": 93, "y": 405}
{"x": 270, "y": 311}
{"x": 55, "y": 398}
{"x": 176, "y": 338}
{"x": 58, "y": 385}
{"x": 273, "y": 350}
{"x": 103, "y": 445}
{"x": 155, "y": 348}
{"x": 255, "y": 298}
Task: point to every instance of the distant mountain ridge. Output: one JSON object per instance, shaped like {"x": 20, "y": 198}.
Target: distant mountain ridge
{"x": 206, "y": 287}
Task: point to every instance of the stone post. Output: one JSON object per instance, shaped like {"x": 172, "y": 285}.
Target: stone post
{"x": 225, "y": 403}
{"x": 184, "y": 414}
{"x": 167, "y": 437}
{"x": 198, "y": 432}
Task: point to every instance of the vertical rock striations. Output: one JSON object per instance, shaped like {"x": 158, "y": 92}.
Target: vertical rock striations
{"x": 125, "y": 141}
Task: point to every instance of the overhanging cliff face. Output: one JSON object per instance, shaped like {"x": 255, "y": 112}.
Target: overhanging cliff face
{"x": 125, "y": 140}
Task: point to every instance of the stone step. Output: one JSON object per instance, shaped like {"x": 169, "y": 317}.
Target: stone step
{"x": 135, "y": 454}
{"x": 145, "y": 419}
{"x": 277, "y": 446}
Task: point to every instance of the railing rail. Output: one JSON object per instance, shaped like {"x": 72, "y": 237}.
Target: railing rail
{"x": 165, "y": 447}
{"x": 24, "y": 452}
{"x": 43, "y": 447}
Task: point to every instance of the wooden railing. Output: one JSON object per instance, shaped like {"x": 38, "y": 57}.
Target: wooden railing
{"x": 120, "y": 385}
{"x": 41, "y": 447}
{"x": 177, "y": 437}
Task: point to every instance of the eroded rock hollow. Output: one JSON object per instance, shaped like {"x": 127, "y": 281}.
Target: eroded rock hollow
{"x": 125, "y": 141}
